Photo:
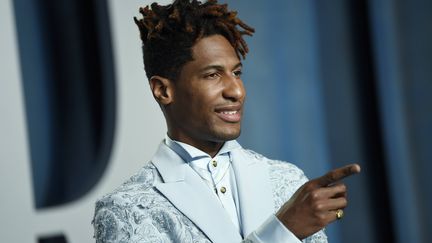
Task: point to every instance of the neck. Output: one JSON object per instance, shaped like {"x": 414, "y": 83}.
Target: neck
{"x": 209, "y": 147}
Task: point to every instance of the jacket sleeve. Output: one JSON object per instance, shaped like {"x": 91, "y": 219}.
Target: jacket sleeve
{"x": 272, "y": 230}
{"x": 109, "y": 226}
{"x": 285, "y": 178}
{"x": 116, "y": 223}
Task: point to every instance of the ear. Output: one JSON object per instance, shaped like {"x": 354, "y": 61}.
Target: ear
{"x": 162, "y": 89}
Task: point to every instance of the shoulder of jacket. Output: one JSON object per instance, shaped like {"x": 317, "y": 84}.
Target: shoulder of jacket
{"x": 277, "y": 164}
{"x": 139, "y": 184}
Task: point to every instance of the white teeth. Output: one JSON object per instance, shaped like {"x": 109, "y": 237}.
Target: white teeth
{"x": 229, "y": 112}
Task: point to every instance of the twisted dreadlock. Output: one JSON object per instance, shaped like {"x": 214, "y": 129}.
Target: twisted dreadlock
{"x": 169, "y": 32}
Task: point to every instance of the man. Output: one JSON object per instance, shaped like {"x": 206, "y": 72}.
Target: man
{"x": 201, "y": 185}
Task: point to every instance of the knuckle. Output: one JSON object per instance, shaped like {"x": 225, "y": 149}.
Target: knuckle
{"x": 344, "y": 202}
{"x": 314, "y": 195}
{"x": 317, "y": 207}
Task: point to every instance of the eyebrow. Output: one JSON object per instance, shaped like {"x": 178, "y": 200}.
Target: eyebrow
{"x": 219, "y": 67}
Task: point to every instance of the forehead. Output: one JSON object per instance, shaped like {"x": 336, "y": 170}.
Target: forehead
{"x": 215, "y": 49}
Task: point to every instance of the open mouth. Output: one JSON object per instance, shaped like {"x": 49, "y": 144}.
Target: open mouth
{"x": 232, "y": 114}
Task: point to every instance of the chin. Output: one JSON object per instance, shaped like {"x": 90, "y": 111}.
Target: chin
{"x": 228, "y": 134}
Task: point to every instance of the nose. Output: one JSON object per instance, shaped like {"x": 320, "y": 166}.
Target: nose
{"x": 234, "y": 89}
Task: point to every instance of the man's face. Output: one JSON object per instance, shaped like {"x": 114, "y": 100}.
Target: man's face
{"x": 208, "y": 97}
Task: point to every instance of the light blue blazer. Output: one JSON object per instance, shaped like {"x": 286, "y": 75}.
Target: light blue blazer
{"x": 166, "y": 201}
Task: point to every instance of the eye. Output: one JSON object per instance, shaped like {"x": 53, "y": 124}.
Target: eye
{"x": 237, "y": 73}
{"x": 212, "y": 76}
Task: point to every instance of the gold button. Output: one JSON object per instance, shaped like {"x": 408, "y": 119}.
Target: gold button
{"x": 214, "y": 163}
{"x": 223, "y": 189}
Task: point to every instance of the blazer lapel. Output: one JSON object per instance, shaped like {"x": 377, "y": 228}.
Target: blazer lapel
{"x": 254, "y": 190}
{"x": 189, "y": 194}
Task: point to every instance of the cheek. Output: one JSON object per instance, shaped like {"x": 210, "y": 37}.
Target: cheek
{"x": 192, "y": 107}
{"x": 197, "y": 104}
{"x": 205, "y": 98}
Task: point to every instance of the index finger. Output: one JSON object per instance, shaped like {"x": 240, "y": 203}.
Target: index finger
{"x": 338, "y": 174}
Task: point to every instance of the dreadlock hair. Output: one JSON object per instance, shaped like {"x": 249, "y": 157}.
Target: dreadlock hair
{"x": 169, "y": 32}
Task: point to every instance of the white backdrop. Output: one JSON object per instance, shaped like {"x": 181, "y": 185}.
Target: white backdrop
{"x": 139, "y": 129}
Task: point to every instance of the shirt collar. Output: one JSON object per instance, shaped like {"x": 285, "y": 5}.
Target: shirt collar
{"x": 189, "y": 153}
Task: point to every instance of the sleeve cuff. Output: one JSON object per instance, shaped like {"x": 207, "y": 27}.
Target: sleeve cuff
{"x": 272, "y": 230}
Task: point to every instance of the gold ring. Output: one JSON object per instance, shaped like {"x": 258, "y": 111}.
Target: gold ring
{"x": 339, "y": 214}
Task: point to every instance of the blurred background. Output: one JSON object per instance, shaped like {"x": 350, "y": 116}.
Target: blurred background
{"x": 329, "y": 82}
